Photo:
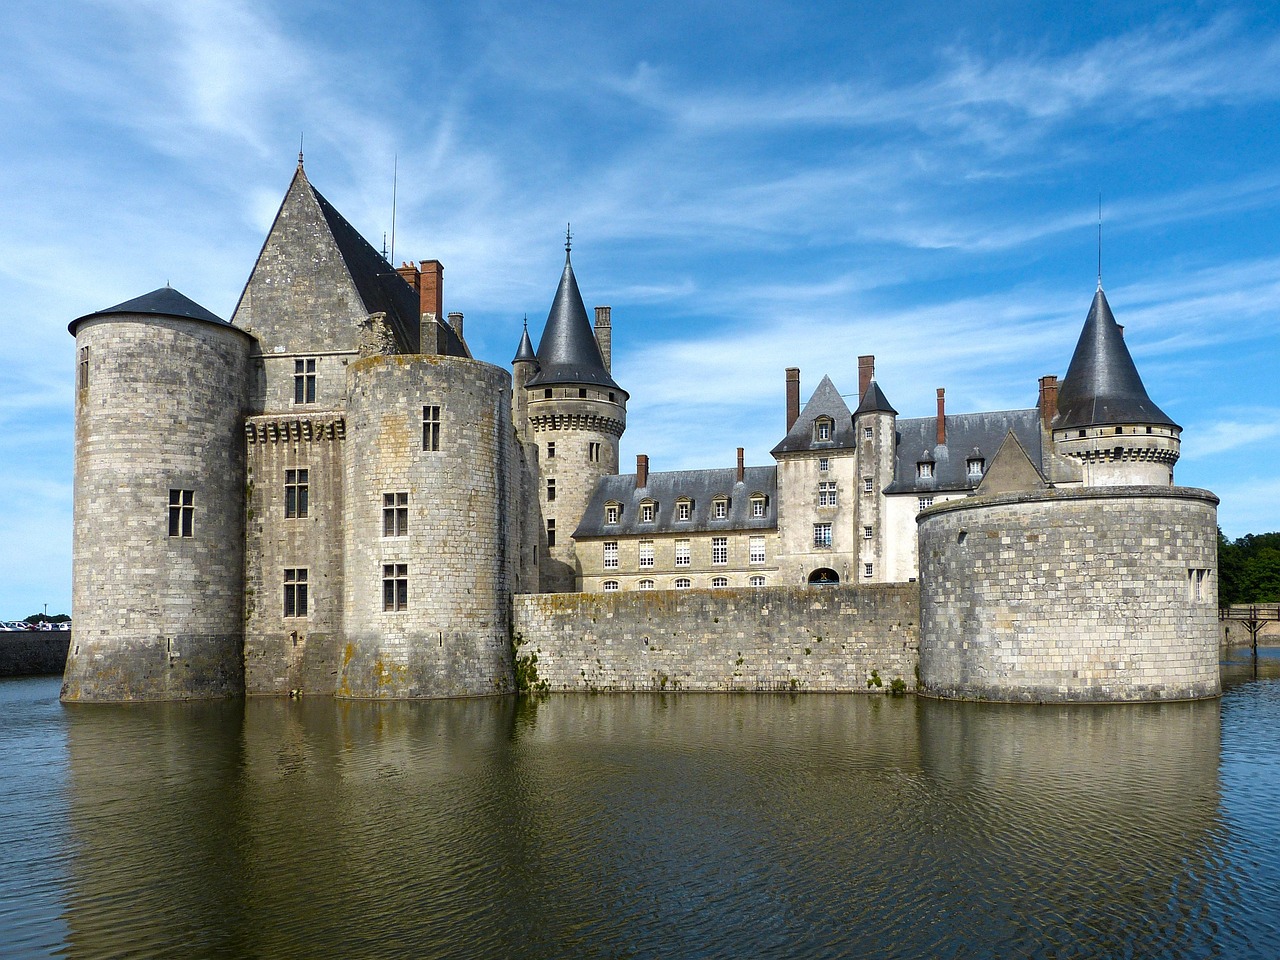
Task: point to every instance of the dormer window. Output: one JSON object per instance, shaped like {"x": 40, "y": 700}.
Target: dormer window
{"x": 647, "y": 510}
{"x": 758, "y": 503}
{"x": 720, "y": 508}
{"x": 924, "y": 470}
{"x": 611, "y": 512}
{"x": 976, "y": 466}
{"x": 822, "y": 429}
{"x": 684, "y": 509}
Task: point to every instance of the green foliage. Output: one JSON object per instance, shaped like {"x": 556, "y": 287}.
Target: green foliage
{"x": 1249, "y": 569}
{"x": 41, "y": 618}
{"x": 527, "y": 679}
{"x": 897, "y": 686}
{"x": 874, "y": 680}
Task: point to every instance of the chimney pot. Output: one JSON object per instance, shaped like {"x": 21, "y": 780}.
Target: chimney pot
{"x": 742, "y": 468}
{"x": 793, "y": 396}
{"x": 604, "y": 336}
{"x": 431, "y": 289}
{"x": 642, "y": 471}
{"x": 1048, "y": 401}
{"x": 455, "y": 321}
{"x": 942, "y": 416}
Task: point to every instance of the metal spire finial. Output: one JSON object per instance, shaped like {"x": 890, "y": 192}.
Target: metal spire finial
{"x": 300, "y": 136}
{"x": 568, "y": 240}
{"x": 526, "y": 321}
{"x": 1099, "y": 240}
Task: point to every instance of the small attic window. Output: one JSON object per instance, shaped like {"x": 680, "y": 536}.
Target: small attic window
{"x": 976, "y": 466}
{"x": 648, "y": 509}
{"x": 822, "y": 429}
{"x": 924, "y": 470}
{"x": 547, "y": 393}
{"x": 758, "y": 503}
{"x": 720, "y": 508}
{"x": 611, "y": 512}
{"x": 684, "y": 508}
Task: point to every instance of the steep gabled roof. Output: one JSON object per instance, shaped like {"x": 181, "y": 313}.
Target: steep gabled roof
{"x": 1011, "y": 470}
{"x": 873, "y": 401}
{"x": 1102, "y": 385}
{"x": 568, "y": 352}
{"x": 825, "y": 402}
{"x": 164, "y": 302}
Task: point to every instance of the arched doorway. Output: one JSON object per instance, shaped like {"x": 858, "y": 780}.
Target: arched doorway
{"x": 824, "y": 577}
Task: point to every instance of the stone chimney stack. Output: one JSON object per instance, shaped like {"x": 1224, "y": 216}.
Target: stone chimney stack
{"x": 793, "y": 396}
{"x": 866, "y": 373}
{"x": 455, "y": 321}
{"x": 642, "y": 471}
{"x": 1048, "y": 401}
{"x": 742, "y": 464}
{"x": 604, "y": 336}
{"x": 942, "y": 416}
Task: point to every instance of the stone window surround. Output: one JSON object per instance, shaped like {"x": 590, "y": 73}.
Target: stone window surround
{"x": 822, "y": 535}
{"x": 610, "y": 586}
{"x": 867, "y": 485}
{"x": 551, "y": 489}
{"x": 297, "y": 493}
{"x": 182, "y": 513}
{"x": 682, "y": 583}
{"x": 719, "y": 551}
{"x": 295, "y": 592}
{"x": 758, "y": 504}
{"x": 683, "y": 553}
{"x": 648, "y": 510}
{"x": 645, "y": 551}
{"x": 755, "y": 553}
{"x": 611, "y": 554}
{"x": 827, "y": 496}
{"x": 431, "y": 427}
{"x": 684, "y": 509}
{"x": 757, "y": 581}
{"x": 719, "y": 582}
{"x": 720, "y": 508}
{"x": 395, "y": 514}
{"x": 304, "y": 380}
{"x": 612, "y": 512}
{"x": 395, "y": 587}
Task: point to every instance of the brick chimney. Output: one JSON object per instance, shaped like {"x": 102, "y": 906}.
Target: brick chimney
{"x": 642, "y": 471}
{"x": 455, "y": 321}
{"x": 1048, "y": 400}
{"x": 604, "y": 336}
{"x": 409, "y": 274}
{"x": 942, "y": 416}
{"x": 742, "y": 464}
{"x": 431, "y": 289}
{"x": 793, "y": 396}
{"x": 866, "y": 373}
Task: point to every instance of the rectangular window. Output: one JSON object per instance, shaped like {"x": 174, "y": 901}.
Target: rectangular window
{"x": 610, "y": 586}
{"x": 720, "y": 509}
{"x": 827, "y": 493}
{"x": 683, "y": 509}
{"x": 646, "y": 513}
{"x": 395, "y": 587}
{"x": 1195, "y": 584}
{"x": 646, "y": 553}
{"x": 83, "y": 370}
{"x": 756, "y": 550}
{"x": 304, "y": 381}
{"x": 551, "y": 490}
{"x": 822, "y": 534}
{"x": 297, "y": 493}
{"x": 824, "y": 463}
{"x": 682, "y": 553}
{"x": 866, "y": 569}
{"x": 593, "y": 452}
{"x": 610, "y": 513}
{"x": 719, "y": 550}
{"x": 551, "y": 450}
{"x": 924, "y": 470}
{"x": 866, "y": 433}
{"x": 611, "y": 555}
{"x": 824, "y": 430}
{"x": 551, "y": 533}
{"x": 395, "y": 514}
{"x": 431, "y": 428}
{"x": 866, "y": 533}
{"x": 866, "y": 485}
{"x": 925, "y": 502}
{"x": 295, "y": 592}
{"x": 757, "y": 507}
{"x": 182, "y": 513}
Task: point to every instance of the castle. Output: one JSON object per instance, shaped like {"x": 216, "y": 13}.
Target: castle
{"x": 330, "y": 495}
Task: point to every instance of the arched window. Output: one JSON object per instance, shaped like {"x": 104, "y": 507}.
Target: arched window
{"x": 719, "y": 581}
{"x": 610, "y": 586}
{"x": 683, "y": 583}
{"x": 645, "y": 584}
{"x": 757, "y": 581}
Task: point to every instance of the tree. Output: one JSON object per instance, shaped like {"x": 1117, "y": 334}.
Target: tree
{"x": 1249, "y": 569}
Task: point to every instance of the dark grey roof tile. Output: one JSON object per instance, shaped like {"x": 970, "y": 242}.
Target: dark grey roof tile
{"x": 700, "y": 486}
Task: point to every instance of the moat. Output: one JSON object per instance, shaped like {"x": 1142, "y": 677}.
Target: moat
{"x": 641, "y": 826}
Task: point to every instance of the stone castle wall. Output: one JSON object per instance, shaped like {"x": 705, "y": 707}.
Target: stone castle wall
{"x": 158, "y": 617}
{"x": 461, "y": 551}
{"x": 1088, "y": 594}
{"x": 725, "y": 640}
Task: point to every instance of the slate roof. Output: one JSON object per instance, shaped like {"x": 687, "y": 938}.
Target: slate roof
{"x": 966, "y": 432}
{"x": 701, "y": 486}
{"x": 381, "y": 289}
{"x": 826, "y": 401}
{"x": 1102, "y": 385}
{"x": 568, "y": 352}
{"x": 525, "y": 350}
{"x": 164, "y": 302}
{"x": 873, "y": 401}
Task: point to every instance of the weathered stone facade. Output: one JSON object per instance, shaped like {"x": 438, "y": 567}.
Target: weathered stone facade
{"x": 1091, "y": 594}
{"x": 831, "y": 639}
{"x": 157, "y": 609}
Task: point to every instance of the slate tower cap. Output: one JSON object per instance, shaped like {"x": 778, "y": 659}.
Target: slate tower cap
{"x": 1102, "y": 385}
{"x": 163, "y": 302}
{"x": 568, "y": 352}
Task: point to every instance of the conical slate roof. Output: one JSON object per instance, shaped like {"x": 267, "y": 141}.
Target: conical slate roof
{"x": 568, "y": 352}
{"x": 873, "y": 401}
{"x": 525, "y": 350}
{"x": 825, "y": 402}
{"x": 1102, "y": 385}
{"x": 164, "y": 302}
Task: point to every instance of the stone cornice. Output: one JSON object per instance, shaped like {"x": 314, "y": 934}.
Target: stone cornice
{"x": 291, "y": 428}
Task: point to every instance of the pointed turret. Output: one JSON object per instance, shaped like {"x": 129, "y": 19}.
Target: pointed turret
{"x": 525, "y": 350}
{"x": 1105, "y": 418}
{"x": 827, "y": 407}
{"x": 568, "y": 352}
{"x": 873, "y": 401}
{"x": 1102, "y": 385}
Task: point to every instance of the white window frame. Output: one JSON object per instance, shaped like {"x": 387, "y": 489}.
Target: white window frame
{"x": 720, "y": 508}
{"x": 611, "y": 555}
{"x": 719, "y": 551}
{"x": 684, "y": 553}
{"x": 645, "y": 548}
{"x": 684, "y": 509}
{"x": 822, "y": 535}
{"x": 719, "y": 583}
{"x": 757, "y": 581}
{"x": 756, "y": 552}
{"x": 827, "y": 494}
{"x": 683, "y": 583}
{"x": 610, "y": 586}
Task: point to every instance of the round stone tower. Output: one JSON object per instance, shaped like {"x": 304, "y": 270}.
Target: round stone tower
{"x": 158, "y": 554}
{"x": 432, "y": 518}
{"x": 576, "y": 414}
{"x": 1105, "y": 418}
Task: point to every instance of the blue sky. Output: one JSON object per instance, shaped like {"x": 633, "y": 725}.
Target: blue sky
{"x": 751, "y": 186}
